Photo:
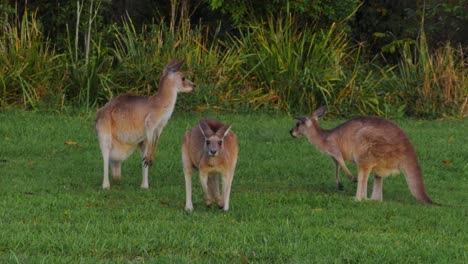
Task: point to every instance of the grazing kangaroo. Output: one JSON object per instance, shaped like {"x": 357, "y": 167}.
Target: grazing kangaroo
{"x": 374, "y": 144}
{"x": 130, "y": 121}
{"x": 210, "y": 147}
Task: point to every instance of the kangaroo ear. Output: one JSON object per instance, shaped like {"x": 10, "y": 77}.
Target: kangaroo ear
{"x": 223, "y": 131}
{"x": 173, "y": 66}
{"x": 319, "y": 112}
{"x": 304, "y": 120}
{"x": 205, "y": 129}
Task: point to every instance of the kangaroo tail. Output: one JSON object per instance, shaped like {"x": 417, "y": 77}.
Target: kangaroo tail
{"x": 415, "y": 182}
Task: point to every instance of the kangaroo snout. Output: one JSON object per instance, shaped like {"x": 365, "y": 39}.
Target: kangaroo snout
{"x": 293, "y": 133}
{"x": 213, "y": 152}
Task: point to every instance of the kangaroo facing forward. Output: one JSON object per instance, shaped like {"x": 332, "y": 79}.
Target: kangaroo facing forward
{"x": 211, "y": 147}
{"x": 130, "y": 121}
{"x": 374, "y": 144}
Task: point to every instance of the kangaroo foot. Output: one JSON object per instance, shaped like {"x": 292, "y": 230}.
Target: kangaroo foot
{"x": 340, "y": 186}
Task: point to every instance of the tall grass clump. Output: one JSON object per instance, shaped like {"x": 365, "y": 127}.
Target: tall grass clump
{"x": 365, "y": 91}
{"x": 86, "y": 60}
{"x": 139, "y": 57}
{"x": 36, "y": 73}
{"x": 299, "y": 68}
{"x": 142, "y": 54}
{"x": 434, "y": 84}
{"x": 278, "y": 63}
{"x": 29, "y": 70}
{"x": 296, "y": 67}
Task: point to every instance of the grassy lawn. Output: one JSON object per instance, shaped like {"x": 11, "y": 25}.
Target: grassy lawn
{"x": 284, "y": 206}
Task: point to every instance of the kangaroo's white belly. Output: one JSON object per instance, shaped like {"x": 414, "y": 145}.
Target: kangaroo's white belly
{"x": 132, "y": 137}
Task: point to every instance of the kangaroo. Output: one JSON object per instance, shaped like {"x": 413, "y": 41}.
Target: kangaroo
{"x": 374, "y": 144}
{"x": 130, "y": 121}
{"x": 211, "y": 147}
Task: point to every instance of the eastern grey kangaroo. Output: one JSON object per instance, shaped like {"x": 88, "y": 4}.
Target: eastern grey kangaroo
{"x": 130, "y": 121}
{"x": 211, "y": 147}
{"x": 374, "y": 144}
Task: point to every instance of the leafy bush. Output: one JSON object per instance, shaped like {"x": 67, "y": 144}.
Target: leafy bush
{"x": 433, "y": 83}
{"x": 302, "y": 69}
{"x": 277, "y": 64}
{"x": 29, "y": 68}
{"x": 141, "y": 58}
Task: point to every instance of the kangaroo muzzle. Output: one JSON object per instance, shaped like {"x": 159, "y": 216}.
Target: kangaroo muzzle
{"x": 293, "y": 133}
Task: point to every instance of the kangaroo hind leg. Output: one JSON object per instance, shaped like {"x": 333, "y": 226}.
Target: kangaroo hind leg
{"x": 209, "y": 199}
{"x": 363, "y": 175}
{"x": 377, "y": 193}
{"x": 213, "y": 186}
{"x": 227, "y": 182}
{"x": 116, "y": 167}
{"x": 187, "y": 166}
{"x": 105, "y": 145}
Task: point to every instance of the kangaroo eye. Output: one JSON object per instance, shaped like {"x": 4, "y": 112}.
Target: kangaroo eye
{"x": 220, "y": 143}
{"x": 207, "y": 142}
{"x": 183, "y": 79}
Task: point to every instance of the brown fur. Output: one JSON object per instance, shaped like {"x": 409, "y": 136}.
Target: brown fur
{"x": 374, "y": 144}
{"x": 130, "y": 121}
{"x": 211, "y": 147}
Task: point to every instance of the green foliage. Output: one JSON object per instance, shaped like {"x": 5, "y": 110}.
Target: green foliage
{"x": 318, "y": 12}
{"x": 300, "y": 67}
{"x": 277, "y": 64}
{"x": 87, "y": 68}
{"x": 141, "y": 58}
{"x": 29, "y": 68}
{"x": 380, "y": 24}
{"x": 54, "y": 16}
{"x": 433, "y": 83}
{"x": 284, "y": 204}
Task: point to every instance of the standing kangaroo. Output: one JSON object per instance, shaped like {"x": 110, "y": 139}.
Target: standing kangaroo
{"x": 374, "y": 144}
{"x": 130, "y": 121}
{"x": 211, "y": 148}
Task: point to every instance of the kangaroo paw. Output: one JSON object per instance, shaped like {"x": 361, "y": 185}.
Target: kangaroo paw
{"x": 208, "y": 203}
{"x": 147, "y": 162}
{"x": 340, "y": 187}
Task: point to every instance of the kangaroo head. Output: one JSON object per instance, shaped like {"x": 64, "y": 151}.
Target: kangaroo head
{"x": 172, "y": 71}
{"x": 214, "y": 140}
{"x": 306, "y": 125}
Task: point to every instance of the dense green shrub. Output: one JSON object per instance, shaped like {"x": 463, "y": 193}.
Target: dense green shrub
{"x": 277, "y": 63}
{"x": 30, "y": 71}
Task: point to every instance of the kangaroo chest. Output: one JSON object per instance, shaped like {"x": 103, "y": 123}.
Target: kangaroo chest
{"x": 212, "y": 164}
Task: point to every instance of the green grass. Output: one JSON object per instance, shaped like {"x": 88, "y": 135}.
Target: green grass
{"x": 284, "y": 204}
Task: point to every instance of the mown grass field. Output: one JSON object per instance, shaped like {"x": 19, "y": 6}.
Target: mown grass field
{"x": 284, "y": 206}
